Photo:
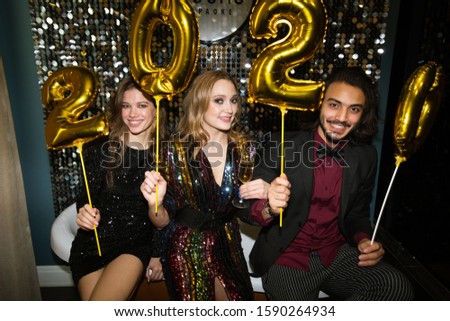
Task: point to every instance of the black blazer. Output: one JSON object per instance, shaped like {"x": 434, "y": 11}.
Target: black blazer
{"x": 357, "y": 185}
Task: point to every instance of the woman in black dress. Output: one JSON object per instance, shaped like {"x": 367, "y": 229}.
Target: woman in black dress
{"x": 115, "y": 169}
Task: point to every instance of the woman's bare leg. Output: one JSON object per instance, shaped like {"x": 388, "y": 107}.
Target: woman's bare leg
{"x": 87, "y": 284}
{"x": 219, "y": 291}
{"x": 117, "y": 281}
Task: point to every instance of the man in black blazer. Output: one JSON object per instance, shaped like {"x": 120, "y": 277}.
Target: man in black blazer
{"x": 324, "y": 241}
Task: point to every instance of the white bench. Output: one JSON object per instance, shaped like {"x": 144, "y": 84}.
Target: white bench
{"x": 63, "y": 232}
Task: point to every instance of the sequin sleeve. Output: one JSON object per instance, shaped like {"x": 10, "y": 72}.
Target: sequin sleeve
{"x": 157, "y": 242}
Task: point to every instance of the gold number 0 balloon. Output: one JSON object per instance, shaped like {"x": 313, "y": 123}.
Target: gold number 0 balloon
{"x": 70, "y": 91}
{"x": 269, "y": 80}
{"x": 173, "y": 78}
{"x": 418, "y": 105}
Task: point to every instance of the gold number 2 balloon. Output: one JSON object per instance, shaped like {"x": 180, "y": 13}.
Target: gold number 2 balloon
{"x": 417, "y": 107}
{"x": 70, "y": 91}
{"x": 269, "y": 80}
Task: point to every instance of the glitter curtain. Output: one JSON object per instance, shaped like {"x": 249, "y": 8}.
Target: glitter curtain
{"x": 95, "y": 34}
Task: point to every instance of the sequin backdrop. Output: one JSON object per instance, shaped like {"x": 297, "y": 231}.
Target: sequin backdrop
{"x": 95, "y": 34}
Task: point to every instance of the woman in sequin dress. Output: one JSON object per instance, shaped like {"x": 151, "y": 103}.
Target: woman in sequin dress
{"x": 203, "y": 259}
{"x": 115, "y": 169}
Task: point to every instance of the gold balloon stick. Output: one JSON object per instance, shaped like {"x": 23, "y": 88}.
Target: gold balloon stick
{"x": 283, "y": 112}
{"x": 397, "y": 164}
{"x": 80, "y": 150}
{"x": 157, "y": 99}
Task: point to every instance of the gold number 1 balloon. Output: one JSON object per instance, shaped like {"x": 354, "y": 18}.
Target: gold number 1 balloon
{"x": 419, "y": 103}
{"x": 417, "y": 108}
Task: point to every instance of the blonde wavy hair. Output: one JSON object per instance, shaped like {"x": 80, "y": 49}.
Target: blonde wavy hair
{"x": 196, "y": 103}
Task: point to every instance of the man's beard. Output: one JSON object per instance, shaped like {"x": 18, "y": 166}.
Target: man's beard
{"x": 329, "y": 138}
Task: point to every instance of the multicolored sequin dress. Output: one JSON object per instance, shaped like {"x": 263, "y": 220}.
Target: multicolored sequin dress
{"x": 124, "y": 226}
{"x": 204, "y": 241}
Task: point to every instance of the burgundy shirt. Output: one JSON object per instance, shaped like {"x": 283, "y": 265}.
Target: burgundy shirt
{"x": 321, "y": 231}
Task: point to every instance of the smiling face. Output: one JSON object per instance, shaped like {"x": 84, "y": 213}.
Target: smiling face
{"x": 340, "y": 112}
{"x": 138, "y": 114}
{"x": 222, "y": 108}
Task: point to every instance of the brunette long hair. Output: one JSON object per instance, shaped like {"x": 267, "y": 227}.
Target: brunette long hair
{"x": 114, "y": 110}
{"x": 118, "y": 129}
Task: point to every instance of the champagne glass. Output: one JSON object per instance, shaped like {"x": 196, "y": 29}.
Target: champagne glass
{"x": 245, "y": 170}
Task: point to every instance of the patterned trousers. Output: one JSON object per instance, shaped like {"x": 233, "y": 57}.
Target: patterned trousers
{"x": 343, "y": 280}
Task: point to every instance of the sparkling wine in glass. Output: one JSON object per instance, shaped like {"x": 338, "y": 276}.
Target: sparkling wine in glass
{"x": 245, "y": 171}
